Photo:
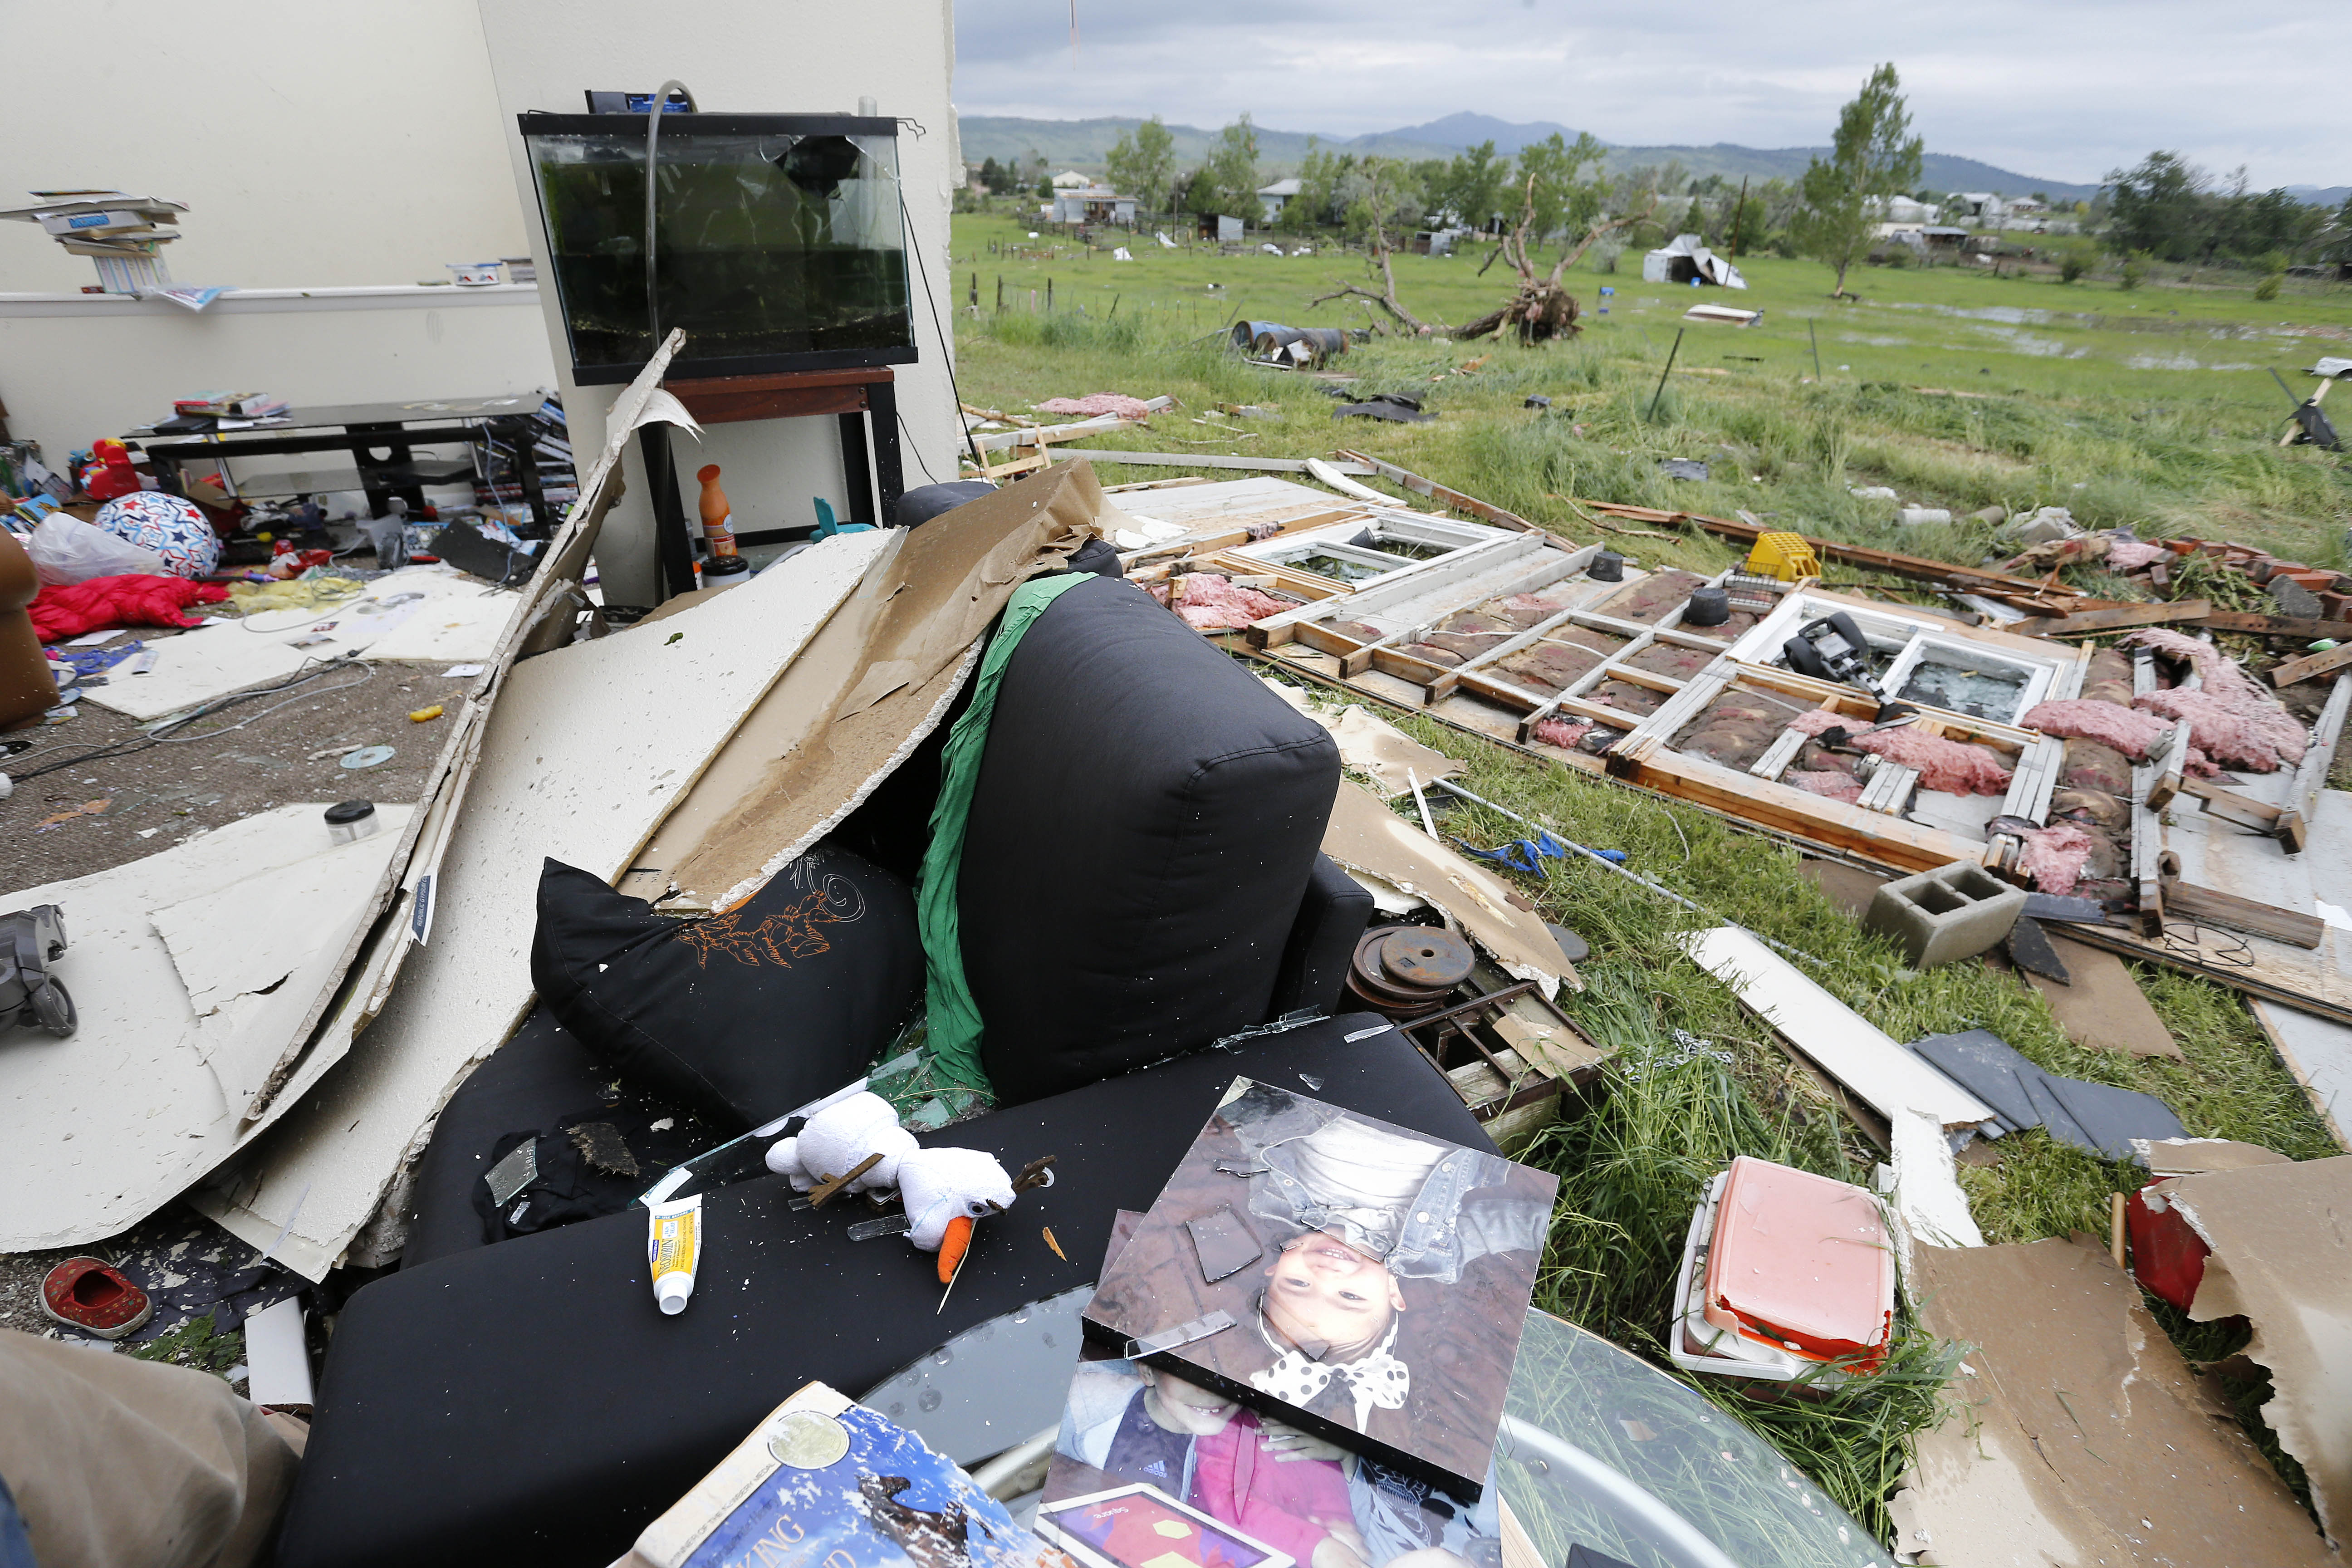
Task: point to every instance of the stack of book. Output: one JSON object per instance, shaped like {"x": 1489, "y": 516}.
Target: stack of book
{"x": 229, "y": 405}
{"x": 123, "y": 234}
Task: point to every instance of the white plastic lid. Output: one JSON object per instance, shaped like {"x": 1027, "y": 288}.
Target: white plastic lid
{"x": 671, "y": 1292}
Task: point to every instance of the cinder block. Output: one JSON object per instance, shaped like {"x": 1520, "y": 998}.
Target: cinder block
{"x": 1953, "y": 911}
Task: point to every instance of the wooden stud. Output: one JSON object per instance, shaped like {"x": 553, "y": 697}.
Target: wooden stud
{"x": 2311, "y": 775}
{"x": 2090, "y": 621}
{"x": 2322, "y": 663}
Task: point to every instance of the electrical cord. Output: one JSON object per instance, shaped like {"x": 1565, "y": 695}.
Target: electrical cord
{"x": 159, "y": 735}
{"x": 907, "y": 231}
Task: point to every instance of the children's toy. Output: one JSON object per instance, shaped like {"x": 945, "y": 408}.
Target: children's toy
{"x": 936, "y": 1186}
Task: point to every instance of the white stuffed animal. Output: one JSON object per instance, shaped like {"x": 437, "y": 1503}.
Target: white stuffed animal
{"x": 936, "y": 1186}
{"x": 838, "y": 1139}
{"x": 939, "y": 1185}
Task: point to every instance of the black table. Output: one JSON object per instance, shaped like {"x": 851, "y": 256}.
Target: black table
{"x": 382, "y": 439}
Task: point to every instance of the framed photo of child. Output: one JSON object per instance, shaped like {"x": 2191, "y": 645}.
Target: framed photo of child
{"x": 1373, "y": 1282}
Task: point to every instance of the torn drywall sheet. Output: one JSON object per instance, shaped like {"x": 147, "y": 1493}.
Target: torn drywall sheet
{"x": 1366, "y": 837}
{"x": 2281, "y": 1241}
{"x": 2101, "y": 1007}
{"x": 1371, "y": 744}
{"x": 872, "y": 685}
{"x": 2076, "y": 1434}
{"x": 586, "y": 751}
{"x": 108, "y": 1125}
{"x": 196, "y": 666}
{"x": 2191, "y": 1156}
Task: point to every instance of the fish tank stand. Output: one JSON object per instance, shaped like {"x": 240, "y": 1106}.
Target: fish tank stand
{"x": 864, "y": 400}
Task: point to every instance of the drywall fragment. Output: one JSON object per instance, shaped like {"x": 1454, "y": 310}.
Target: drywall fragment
{"x": 1371, "y": 744}
{"x": 1366, "y": 837}
{"x": 2281, "y": 1241}
{"x": 2075, "y": 1435}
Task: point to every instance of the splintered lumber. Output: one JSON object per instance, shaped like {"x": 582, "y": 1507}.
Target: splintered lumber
{"x": 1484, "y": 510}
{"x": 2113, "y": 620}
{"x": 2304, "y": 668}
{"x": 1206, "y": 460}
{"x": 2311, "y": 777}
{"x": 2214, "y": 907}
{"x": 2253, "y": 623}
{"x": 1963, "y": 579}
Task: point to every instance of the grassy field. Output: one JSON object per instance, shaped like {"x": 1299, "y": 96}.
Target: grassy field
{"x": 2149, "y": 406}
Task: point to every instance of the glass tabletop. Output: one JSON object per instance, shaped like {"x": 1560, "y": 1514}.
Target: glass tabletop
{"x": 1601, "y": 1450}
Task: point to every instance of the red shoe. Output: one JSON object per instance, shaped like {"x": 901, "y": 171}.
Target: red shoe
{"x": 94, "y": 1296}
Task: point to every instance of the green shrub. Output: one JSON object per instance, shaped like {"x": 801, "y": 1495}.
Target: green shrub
{"x": 2072, "y": 265}
{"x": 2133, "y": 273}
{"x": 2268, "y": 288}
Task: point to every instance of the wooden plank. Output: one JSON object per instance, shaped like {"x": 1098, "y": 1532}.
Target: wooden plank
{"x": 1965, "y": 579}
{"x": 1779, "y": 754}
{"x": 2190, "y": 901}
{"x": 2113, "y": 620}
{"x": 1205, "y": 460}
{"x": 2320, "y": 663}
{"x": 2311, "y": 775}
{"x": 2255, "y": 624}
{"x": 1845, "y": 1045}
{"x": 2165, "y": 762}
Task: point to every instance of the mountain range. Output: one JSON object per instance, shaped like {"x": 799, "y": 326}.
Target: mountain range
{"x": 1086, "y": 145}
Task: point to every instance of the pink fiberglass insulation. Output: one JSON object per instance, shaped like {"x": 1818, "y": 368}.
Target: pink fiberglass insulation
{"x": 2130, "y": 554}
{"x": 1833, "y": 785}
{"x": 1526, "y": 609}
{"x": 2127, "y": 730}
{"x": 1097, "y": 403}
{"x": 1211, "y": 603}
{"x": 2224, "y": 732}
{"x": 1561, "y": 732}
{"x": 2232, "y": 720}
{"x": 2054, "y": 857}
{"x": 1949, "y": 767}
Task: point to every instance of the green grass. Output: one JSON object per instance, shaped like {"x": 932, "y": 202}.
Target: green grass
{"x": 2152, "y": 408}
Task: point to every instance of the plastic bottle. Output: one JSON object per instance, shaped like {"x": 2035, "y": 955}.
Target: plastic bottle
{"x": 716, "y": 514}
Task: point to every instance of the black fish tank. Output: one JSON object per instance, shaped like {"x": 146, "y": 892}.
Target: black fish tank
{"x": 779, "y": 241}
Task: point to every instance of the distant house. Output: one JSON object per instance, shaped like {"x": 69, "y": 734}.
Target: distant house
{"x": 1092, "y": 203}
{"x": 1976, "y": 207}
{"x": 1276, "y": 197}
{"x": 1071, "y": 179}
{"x": 1899, "y": 210}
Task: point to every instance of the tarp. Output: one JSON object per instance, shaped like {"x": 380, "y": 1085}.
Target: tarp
{"x": 1658, "y": 266}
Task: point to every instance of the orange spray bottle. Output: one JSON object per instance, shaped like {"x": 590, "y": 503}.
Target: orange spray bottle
{"x": 716, "y": 514}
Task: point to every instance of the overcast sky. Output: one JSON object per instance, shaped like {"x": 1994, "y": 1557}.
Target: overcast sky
{"x": 2064, "y": 90}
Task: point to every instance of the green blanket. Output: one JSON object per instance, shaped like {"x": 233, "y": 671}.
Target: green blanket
{"x": 955, "y": 1022}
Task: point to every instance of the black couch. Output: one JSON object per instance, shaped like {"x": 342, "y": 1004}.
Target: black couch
{"x": 1140, "y": 878}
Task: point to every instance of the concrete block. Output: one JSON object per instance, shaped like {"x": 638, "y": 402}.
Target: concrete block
{"x": 1953, "y": 911}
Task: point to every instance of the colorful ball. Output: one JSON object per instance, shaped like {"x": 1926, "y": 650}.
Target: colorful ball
{"x": 172, "y": 528}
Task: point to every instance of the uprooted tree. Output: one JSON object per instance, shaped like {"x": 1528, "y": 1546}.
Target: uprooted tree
{"x": 1558, "y": 198}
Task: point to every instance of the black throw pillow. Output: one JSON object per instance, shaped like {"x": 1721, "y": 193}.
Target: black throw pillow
{"x": 743, "y": 1015}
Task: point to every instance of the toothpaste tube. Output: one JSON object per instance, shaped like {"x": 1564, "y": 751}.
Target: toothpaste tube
{"x": 674, "y": 1247}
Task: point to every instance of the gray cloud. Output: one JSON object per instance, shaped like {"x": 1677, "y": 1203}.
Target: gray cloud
{"x": 2065, "y": 90}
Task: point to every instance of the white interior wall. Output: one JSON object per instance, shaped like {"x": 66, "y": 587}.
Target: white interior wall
{"x": 749, "y": 57}
{"x": 349, "y": 144}
{"x": 76, "y": 367}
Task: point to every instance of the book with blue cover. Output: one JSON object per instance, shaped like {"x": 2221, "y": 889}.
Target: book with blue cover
{"x": 826, "y": 1483}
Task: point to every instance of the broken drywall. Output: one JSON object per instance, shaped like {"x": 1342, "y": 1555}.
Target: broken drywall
{"x": 2075, "y": 1435}
{"x": 105, "y": 1127}
{"x": 1366, "y": 837}
{"x": 2281, "y": 1241}
{"x": 585, "y": 751}
{"x": 874, "y": 682}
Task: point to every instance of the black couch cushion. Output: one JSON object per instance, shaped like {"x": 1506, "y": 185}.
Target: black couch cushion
{"x": 527, "y": 1402}
{"x": 1331, "y": 920}
{"x": 1141, "y": 833}
{"x": 744, "y": 1016}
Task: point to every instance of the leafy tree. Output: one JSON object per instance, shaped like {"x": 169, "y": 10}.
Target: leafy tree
{"x": 1471, "y": 187}
{"x": 1319, "y": 172}
{"x": 1557, "y": 196}
{"x": 1227, "y": 182}
{"x": 1873, "y": 154}
{"x": 2160, "y": 206}
{"x": 1143, "y": 164}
